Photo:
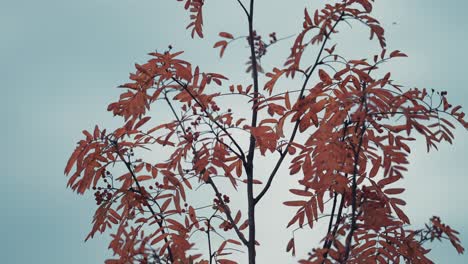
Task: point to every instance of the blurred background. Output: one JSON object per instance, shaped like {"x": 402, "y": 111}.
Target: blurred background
{"x": 60, "y": 62}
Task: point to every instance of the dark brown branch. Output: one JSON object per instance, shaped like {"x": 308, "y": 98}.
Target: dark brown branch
{"x": 332, "y": 214}
{"x": 330, "y": 236}
{"x": 335, "y": 228}
{"x": 251, "y": 153}
{"x": 357, "y": 152}
{"x": 243, "y": 8}
{"x": 241, "y": 152}
{"x": 159, "y": 221}
{"x": 210, "y": 181}
{"x": 227, "y": 211}
{"x": 209, "y": 241}
{"x": 296, "y": 126}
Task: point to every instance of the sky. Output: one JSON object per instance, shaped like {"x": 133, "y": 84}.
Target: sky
{"x": 61, "y": 60}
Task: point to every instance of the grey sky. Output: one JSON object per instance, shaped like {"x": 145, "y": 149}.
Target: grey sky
{"x": 60, "y": 61}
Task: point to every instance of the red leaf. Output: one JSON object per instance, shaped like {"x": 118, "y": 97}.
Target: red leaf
{"x": 295, "y": 203}
{"x": 290, "y": 247}
{"x": 375, "y": 167}
{"x": 401, "y": 215}
{"x": 388, "y": 180}
{"x": 274, "y": 76}
{"x": 301, "y": 192}
{"x": 159, "y": 238}
{"x": 226, "y": 35}
{"x": 88, "y": 135}
{"x": 287, "y": 102}
{"x": 394, "y": 191}
{"x": 142, "y": 122}
{"x": 144, "y": 178}
{"x": 223, "y": 45}
{"x": 397, "y": 53}
{"x": 324, "y": 77}
{"x": 232, "y": 241}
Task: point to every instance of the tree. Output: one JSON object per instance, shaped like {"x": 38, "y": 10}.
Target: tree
{"x": 344, "y": 132}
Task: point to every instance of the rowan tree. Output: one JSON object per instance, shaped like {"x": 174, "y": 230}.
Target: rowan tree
{"x": 344, "y": 134}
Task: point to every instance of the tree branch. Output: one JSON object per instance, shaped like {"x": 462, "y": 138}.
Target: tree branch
{"x": 250, "y": 156}
{"x": 296, "y": 126}
{"x": 241, "y": 152}
{"x": 335, "y": 228}
{"x": 212, "y": 184}
{"x": 243, "y": 8}
{"x": 227, "y": 211}
{"x": 349, "y": 238}
{"x": 128, "y": 165}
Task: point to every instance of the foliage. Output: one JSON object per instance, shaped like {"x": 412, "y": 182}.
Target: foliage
{"x": 345, "y": 133}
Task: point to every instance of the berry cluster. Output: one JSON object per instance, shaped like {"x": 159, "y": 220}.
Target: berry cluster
{"x": 157, "y": 184}
{"x": 273, "y": 38}
{"x": 260, "y": 45}
{"x": 105, "y": 175}
{"x": 218, "y": 201}
{"x": 102, "y": 195}
{"x": 196, "y": 122}
{"x": 185, "y": 210}
{"x": 215, "y": 107}
{"x": 189, "y": 136}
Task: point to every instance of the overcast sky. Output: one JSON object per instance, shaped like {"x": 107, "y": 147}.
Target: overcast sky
{"x": 60, "y": 61}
